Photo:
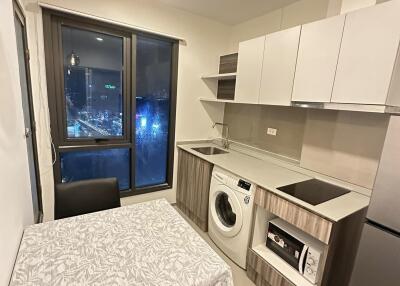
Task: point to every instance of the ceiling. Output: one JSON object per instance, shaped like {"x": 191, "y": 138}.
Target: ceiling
{"x": 229, "y": 12}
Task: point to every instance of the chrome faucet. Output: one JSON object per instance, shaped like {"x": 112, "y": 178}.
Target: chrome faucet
{"x": 225, "y": 141}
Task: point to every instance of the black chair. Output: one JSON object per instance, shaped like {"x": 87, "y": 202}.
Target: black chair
{"x": 85, "y": 196}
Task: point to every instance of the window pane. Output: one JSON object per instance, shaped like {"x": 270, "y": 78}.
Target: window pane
{"x": 93, "y": 66}
{"x": 153, "y": 82}
{"x": 104, "y": 163}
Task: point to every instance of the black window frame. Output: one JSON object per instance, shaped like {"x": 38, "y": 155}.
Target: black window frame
{"x": 62, "y": 137}
{"x": 52, "y": 23}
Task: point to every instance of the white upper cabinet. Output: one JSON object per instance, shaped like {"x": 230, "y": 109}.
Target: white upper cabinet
{"x": 248, "y": 76}
{"x": 279, "y": 65}
{"x": 317, "y": 59}
{"x": 368, "y": 54}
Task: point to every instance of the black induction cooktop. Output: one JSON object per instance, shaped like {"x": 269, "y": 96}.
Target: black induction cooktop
{"x": 314, "y": 191}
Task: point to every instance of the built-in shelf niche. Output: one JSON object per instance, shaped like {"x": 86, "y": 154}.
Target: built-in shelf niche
{"x": 226, "y": 86}
{"x": 222, "y": 76}
{"x": 226, "y": 77}
{"x": 257, "y": 244}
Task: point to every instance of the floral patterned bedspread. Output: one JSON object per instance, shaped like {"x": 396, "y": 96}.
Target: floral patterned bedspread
{"x": 143, "y": 244}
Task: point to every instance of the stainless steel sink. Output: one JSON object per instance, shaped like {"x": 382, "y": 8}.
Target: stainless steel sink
{"x": 209, "y": 150}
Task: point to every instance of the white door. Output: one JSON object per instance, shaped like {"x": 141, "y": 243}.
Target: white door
{"x": 249, "y": 67}
{"x": 317, "y": 58}
{"x": 280, "y": 55}
{"x": 29, "y": 121}
{"x": 367, "y": 55}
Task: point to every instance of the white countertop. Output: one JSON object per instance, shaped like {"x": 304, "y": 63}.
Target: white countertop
{"x": 271, "y": 173}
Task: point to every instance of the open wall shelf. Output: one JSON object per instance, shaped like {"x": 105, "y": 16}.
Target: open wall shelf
{"x": 221, "y": 76}
{"x": 226, "y": 77}
{"x": 216, "y": 100}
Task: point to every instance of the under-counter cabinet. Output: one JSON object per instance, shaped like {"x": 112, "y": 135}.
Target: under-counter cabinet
{"x": 317, "y": 59}
{"x": 368, "y": 55}
{"x": 193, "y": 187}
{"x": 339, "y": 240}
{"x": 280, "y": 54}
{"x": 248, "y": 76}
{"x": 262, "y": 273}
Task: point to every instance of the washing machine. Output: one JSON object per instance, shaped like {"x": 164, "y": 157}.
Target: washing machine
{"x": 230, "y": 214}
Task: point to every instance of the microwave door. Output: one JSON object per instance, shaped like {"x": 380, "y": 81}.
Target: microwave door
{"x": 286, "y": 247}
{"x": 302, "y": 261}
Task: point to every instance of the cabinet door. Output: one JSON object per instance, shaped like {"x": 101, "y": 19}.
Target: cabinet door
{"x": 193, "y": 187}
{"x": 262, "y": 273}
{"x": 367, "y": 55}
{"x": 248, "y": 76}
{"x": 279, "y": 65}
{"x": 317, "y": 58}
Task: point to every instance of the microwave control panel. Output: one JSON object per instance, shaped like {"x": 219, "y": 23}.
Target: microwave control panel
{"x": 312, "y": 265}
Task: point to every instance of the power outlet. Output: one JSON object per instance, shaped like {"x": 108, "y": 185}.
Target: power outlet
{"x": 272, "y": 131}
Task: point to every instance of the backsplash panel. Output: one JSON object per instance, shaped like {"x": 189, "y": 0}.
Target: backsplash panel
{"x": 341, "y": 144}
{"x": 345, "y": 145}
{"x": 248, "y": 125}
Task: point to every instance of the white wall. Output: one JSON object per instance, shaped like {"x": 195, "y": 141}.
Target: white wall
{"x": 351, "y": 5}
{"x": 16, "y": 202}
{"x": 205, "y": 39}
{"x": 298, "y": 13}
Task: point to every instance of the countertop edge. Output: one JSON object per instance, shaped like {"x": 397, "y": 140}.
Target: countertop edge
{"x": 361, "y": 201}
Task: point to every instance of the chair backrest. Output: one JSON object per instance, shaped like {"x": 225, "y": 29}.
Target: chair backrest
{"x": 85, "y": 196}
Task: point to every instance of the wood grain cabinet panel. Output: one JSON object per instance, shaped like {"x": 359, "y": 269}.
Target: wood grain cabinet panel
{"x": 307, "y": 221}
{"x": 228, "y": 63}
{"x": 263, "y": 274}
{"x": 193, "y": 186}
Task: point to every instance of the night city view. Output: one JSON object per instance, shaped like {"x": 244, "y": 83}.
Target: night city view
{"x": 94, "y": 110}
{"x": 151, "y": 139}
{"x": 93, "y": 102}
{"x": 153, "y": 79}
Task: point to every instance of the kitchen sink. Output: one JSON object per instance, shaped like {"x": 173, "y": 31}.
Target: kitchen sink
{"x": 209, "y": 150}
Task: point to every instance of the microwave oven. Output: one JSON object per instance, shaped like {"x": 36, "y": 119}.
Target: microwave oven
{"x": 297, "y": 248}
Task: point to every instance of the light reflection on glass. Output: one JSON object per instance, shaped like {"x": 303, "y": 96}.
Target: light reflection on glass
{"x": 153, "y": 80}
{"x": 93, "y": 89}
{"x": 91, "y": 164}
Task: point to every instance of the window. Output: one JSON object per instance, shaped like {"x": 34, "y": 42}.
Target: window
{"x": 112, "y": 96}
{"x": 93, "y": 70}
{"x": 153, "y": 94}
{"x": 87, "y": 164}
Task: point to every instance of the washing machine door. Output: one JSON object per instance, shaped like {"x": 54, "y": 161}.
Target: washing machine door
{"x": 226, "y": 211}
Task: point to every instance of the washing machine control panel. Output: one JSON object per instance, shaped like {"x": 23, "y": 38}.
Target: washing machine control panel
{"x": 244, "y": 185}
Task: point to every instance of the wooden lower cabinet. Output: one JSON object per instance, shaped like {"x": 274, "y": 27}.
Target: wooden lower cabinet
{"x": 313, "y": 224}
{"x": 341, "y": 240}
{"x": 263, "y": 274}
{"x": 193, "y": 187}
